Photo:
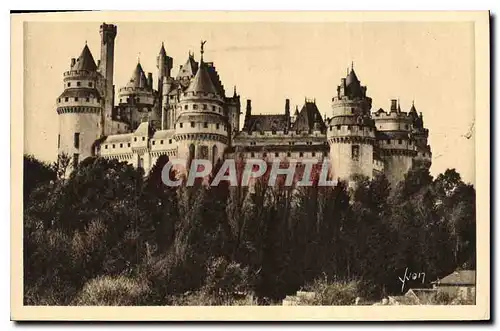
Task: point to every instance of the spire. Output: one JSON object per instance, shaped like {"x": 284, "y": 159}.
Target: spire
{"x": 234, "y": 93}
{"x": 399, "y": 107}
{"x": 413, "y": 109}
{"x": 296, "y": 110}
{"x": 162, "y": 50}
{"x": 85, "y": 61}
{"x": 351, "y": 76}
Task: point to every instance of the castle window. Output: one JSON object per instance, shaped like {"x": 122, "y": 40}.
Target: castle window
{"x": 348, "y": 127}
{"x": 204, "y": 107}
{"x": 406, "y": 126}
{"x": 59, "y": 100}
{"x": 331, "y": 128}
{"x": 388, "y": 141}
{"x": 273, "y": 131}
{"x": 192, "y": 124}
{"x": 195, "y": 107}
{"x": 77, "y": 140}
{"x": 128, "y": 144}
{"x": 135, "y": 138}
{"x": 90, "y": 84}
{"x": 75, "y": 159}
{"x": 114, "y": 146}
{"x": 205, "y": 125}
{"x": 301, "y": 154}
{"x": 143, "y": 138}
{"x": 288, "y": 154}
{"x": 78, "y": 83}
{"x": 355, "y": 152}
{"x": 338, "y": 127}
{"x": 264, "y": 154}
{"x": 153, "y": 142}
{"x": 277, "y": 154}
{"x": 76, "y": 98}
{"x": 180, "y": 125}
{"x": 105, "y": 146}
{"x": 400, "y": 141}
{"x": 121, "y": 145}
{"x": 66, "y": 99}
{"x": 170, "y": 141}
{"x": 87, "y": 99}
{"x": 217, "y": 126}
{"x": 185, "y": 107}
{"x": 213, "y": 108}
{"x": 313, "y": 154}
{"x": 138, "y": 99}
{"x": 252, "y": 154}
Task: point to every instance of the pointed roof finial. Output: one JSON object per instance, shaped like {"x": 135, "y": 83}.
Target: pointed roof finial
{"x": 352, "y": 65}
{"x": 203, "y": 42}
{"x": 85, "y": 41}
{"x": 139, "y": 58}
{"x": 234, "y": 91}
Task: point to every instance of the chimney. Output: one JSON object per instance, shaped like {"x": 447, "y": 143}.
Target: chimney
{"x": 73, "y": 61}
{"x": 150, "y": 80}
{"x": 287, "y": 106}
{"x": 394, "y": 105}
{"x": 249, "y": 107}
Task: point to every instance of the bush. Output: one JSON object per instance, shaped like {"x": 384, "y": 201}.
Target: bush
{"x": 113, "y": 291}
{"x": 332, "y": 293}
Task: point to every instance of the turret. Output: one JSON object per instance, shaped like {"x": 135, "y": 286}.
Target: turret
{"x": 201, "y": 128}
{"x": 79, "y": 108}
{"x": 136, "y": 99}
{"x": 395, "y": 141}
{"x": 351, "y": 131}
{"x": 108, "y": 35}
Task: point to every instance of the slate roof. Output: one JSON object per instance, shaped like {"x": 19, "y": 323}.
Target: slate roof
{"x": 162, "y": 134}
{"x": 266, "y": 123}
{"x": 307, "y": 117}
{"x": 118, "y": 138}
{"x": 144, "y": 129}
{"x": 460, "y": 277}
{"x": 80, "y": 92}
{"x": 202, "y": 81}
{"x": 189, "y": 68}
{"x": 351, "y": 78}
{"x": 85, "y": 61}
{"x": 138, "y": 78}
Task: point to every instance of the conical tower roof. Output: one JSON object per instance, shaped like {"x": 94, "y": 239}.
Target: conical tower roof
{"x": 201, "y": 81}
{"x": 85, "y": 61}
{"x": 189, "y": 68}
{"x": 352, "y": 78}
{"x": 162, "y": 50}
{"x": 138, "y": 78}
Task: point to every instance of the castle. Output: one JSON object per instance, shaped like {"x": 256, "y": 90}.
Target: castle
{"x": 189, "y": 116}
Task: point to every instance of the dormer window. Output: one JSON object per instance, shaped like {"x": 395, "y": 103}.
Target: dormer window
{"x": 69, "y": 84}
{"x": 195, "y": 107}
{"x": 143, "y": 138}
{"x": 185, "y": 107}
{"x": 66, "y": 99}
{"x": 170, "y": 141}
{"x": 78, "y": 83}
{"x": 76, "y": 98}
{"x": 90, "y": 84}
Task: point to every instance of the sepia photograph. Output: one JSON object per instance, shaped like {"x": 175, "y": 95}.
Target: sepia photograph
{"x": 288, "y": 164}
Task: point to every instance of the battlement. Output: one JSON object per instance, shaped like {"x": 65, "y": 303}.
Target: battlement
{"x": 108, "y": 28}
{"x": 80, "y": 73}
{"x": 189, "y": 96}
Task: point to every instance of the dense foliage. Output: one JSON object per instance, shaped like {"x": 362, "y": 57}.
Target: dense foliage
{"x": 108, "y": 235}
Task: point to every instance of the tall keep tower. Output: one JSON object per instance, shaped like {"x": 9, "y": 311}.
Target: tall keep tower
{"x": 351, "y": 131}
{"x": 106, "y": 67}
{"x": 80, "y": 108}
{"x": 201, "y": 128}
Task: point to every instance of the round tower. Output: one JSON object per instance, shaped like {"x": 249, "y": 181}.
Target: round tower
{"x": 396, "y": 143}
{"x": 136, "y": 101}
{"x": 80, "y": 108}
{"x": 201, "y": 128}
{"x": 420, "y": 135}
{"x": 351, "y": 131}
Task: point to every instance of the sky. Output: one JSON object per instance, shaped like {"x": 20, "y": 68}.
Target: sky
{"x": 431, "y": 63}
